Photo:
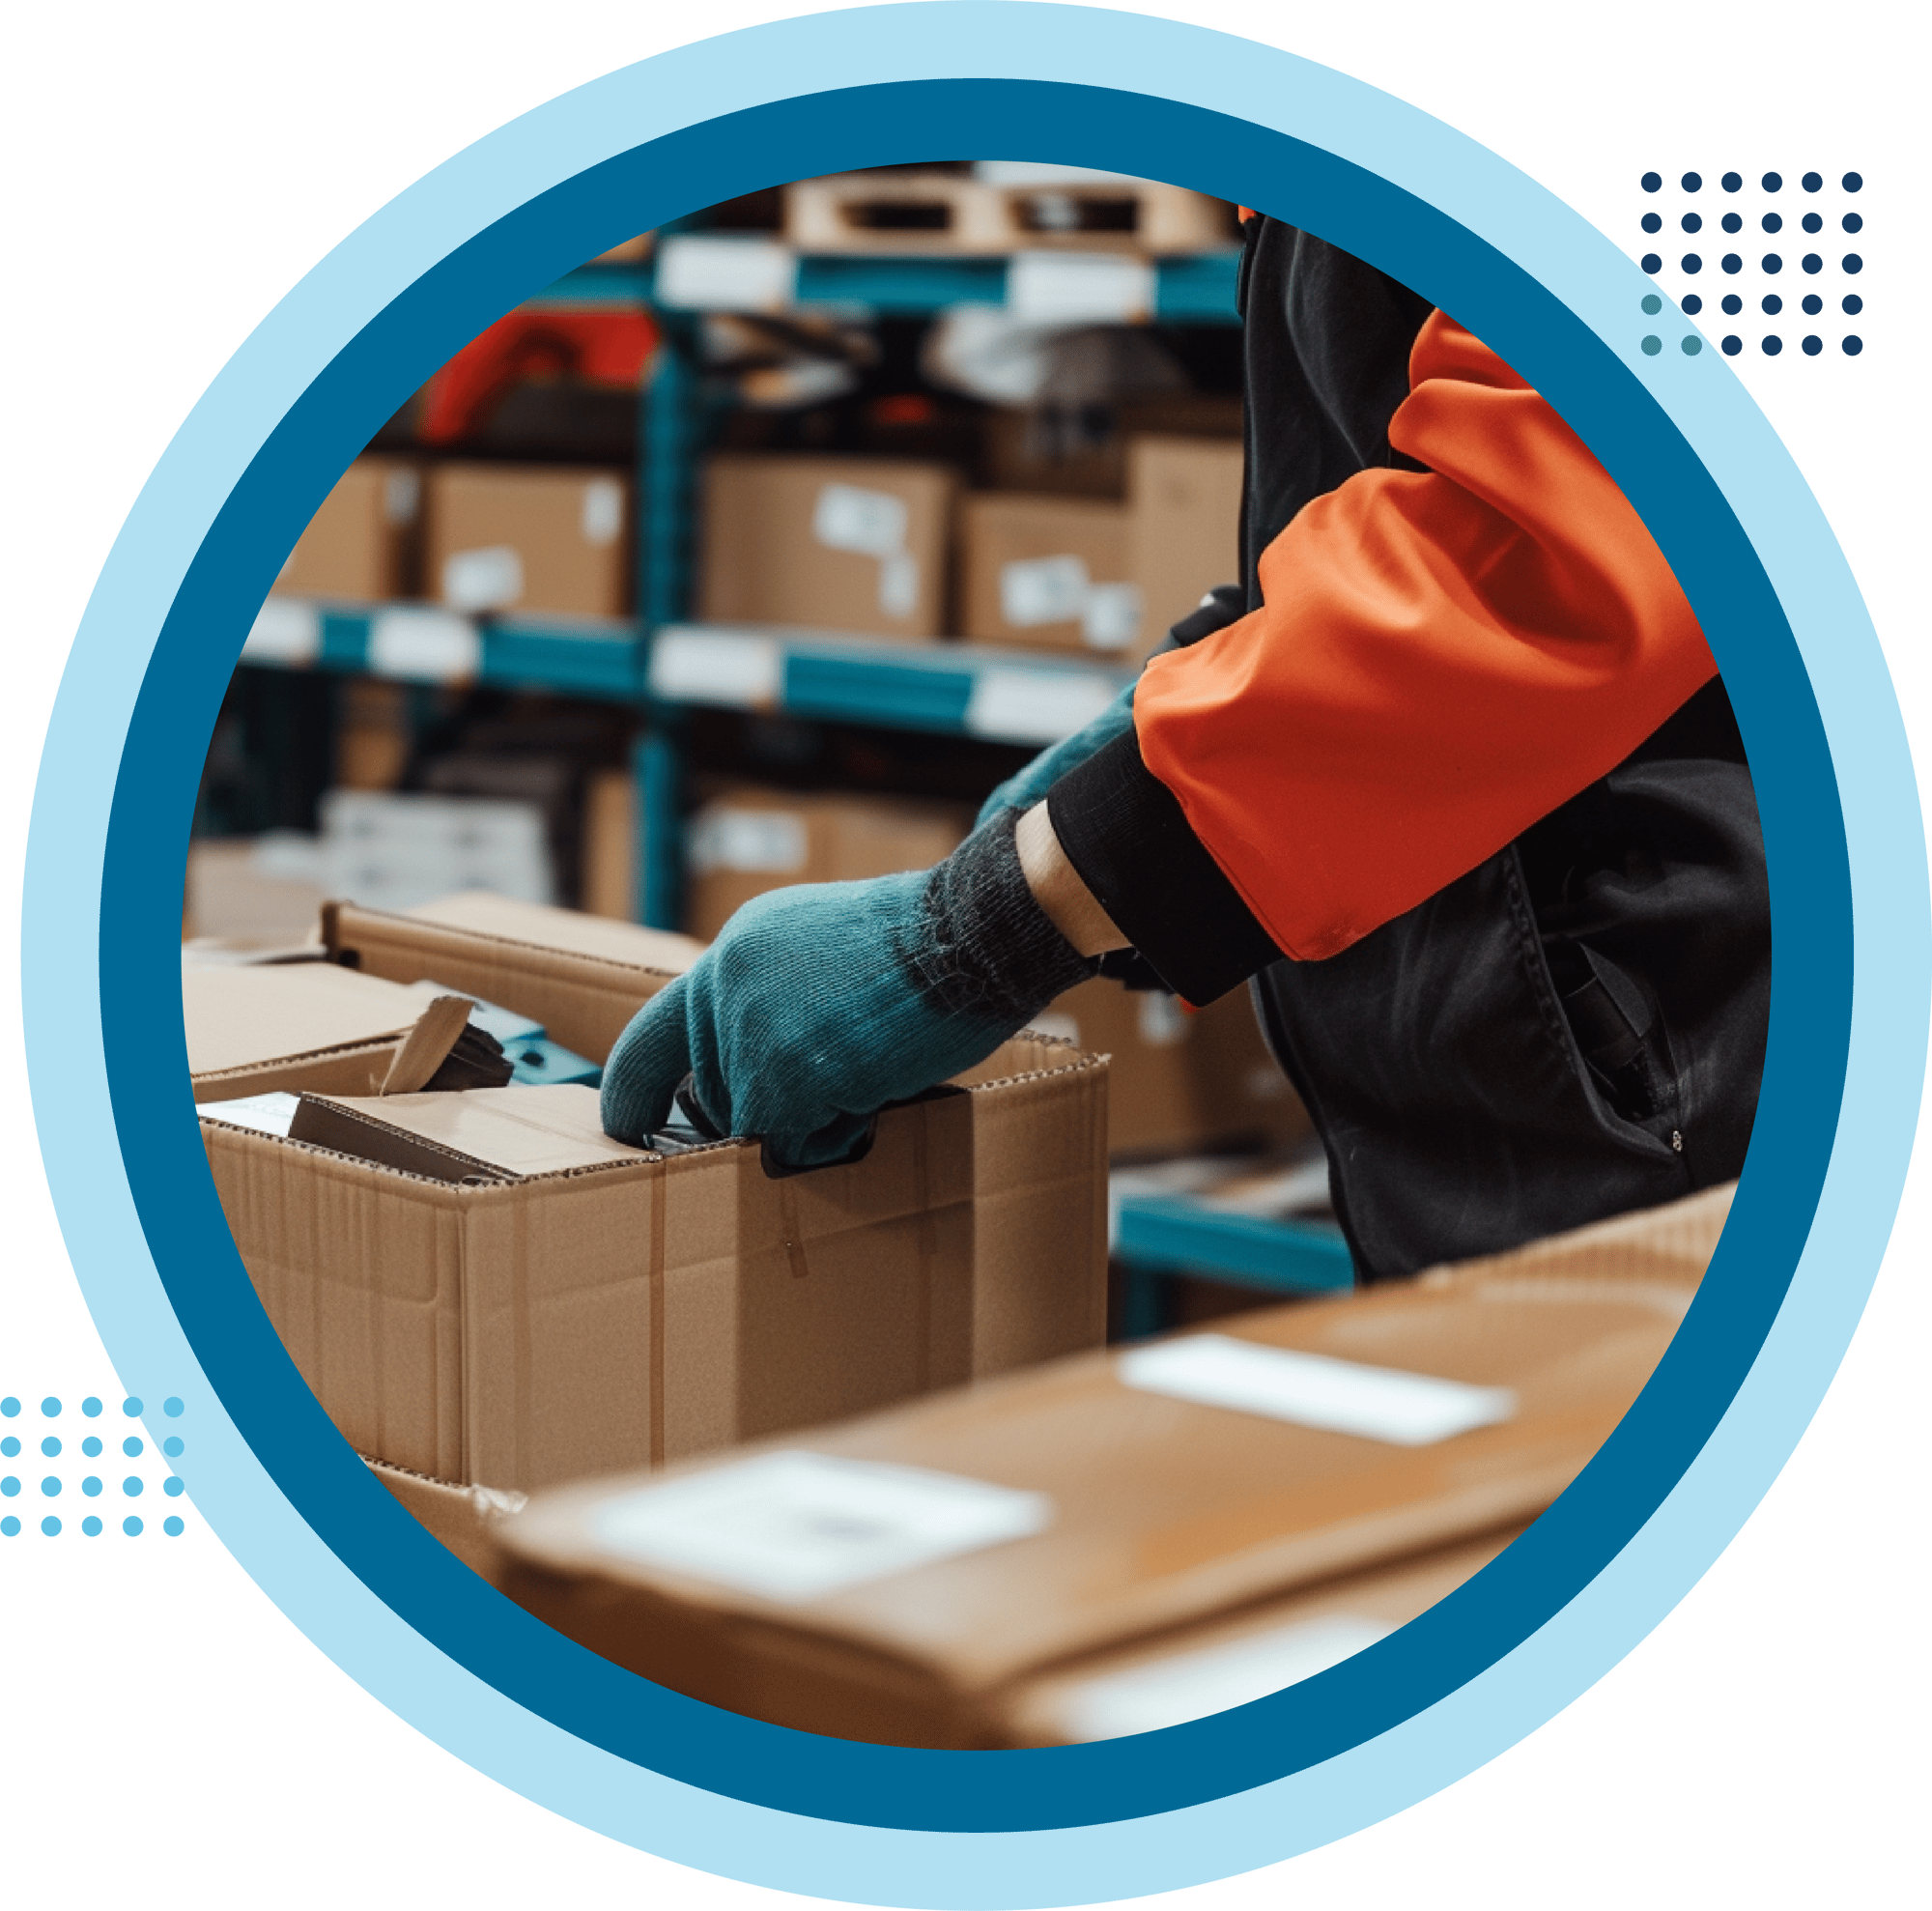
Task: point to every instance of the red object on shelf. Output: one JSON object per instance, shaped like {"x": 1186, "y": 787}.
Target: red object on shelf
{"x": 604, "y": 347}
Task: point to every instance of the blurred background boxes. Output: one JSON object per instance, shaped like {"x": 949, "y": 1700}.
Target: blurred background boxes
{"x": 362, "y": 544}
{"x": 850, "y": 544}
{"x": 503, "y": 537}
{"x": 1185, "y": 500}
{"x": 1049, "y": 572}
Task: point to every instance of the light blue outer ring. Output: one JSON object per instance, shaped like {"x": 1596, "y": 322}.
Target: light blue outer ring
{"x": 1893, "y": 958}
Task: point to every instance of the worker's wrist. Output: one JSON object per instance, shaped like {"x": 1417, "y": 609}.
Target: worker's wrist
{"x": 1058, "y": 888}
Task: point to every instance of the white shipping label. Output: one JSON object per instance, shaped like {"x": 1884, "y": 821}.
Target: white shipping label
{"x": 402, "y": 494}
{"x": 898, "y": 584}
{"x": 1164, "y": 1021}
{"x": 707, "y": 272}
{"x": 795, "y": 1526}
{"x": 847, "y": 517}
{"x": 738, "y": 668}
{"x": 1111, "y": 617}
{"x": 423, "y": 647}
{"x": 1036, "y": 707}
{"x": 1312, "y": 1390}
{"x": 266, "y": 1114}
{"x": 751, "y": 841}
{"x": 1073, "y": 288}
{"x": 490, "y": 578}
{"x": 286, "y": 631}
{"x": 603, "y": 511}
{"x": 1198, "y": 1684}
{"x": 1043, "y": 590}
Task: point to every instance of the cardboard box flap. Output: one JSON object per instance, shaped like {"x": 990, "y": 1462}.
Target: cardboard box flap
{"x": 1166, "y": 1509}
{"x": 567, "y": 931}
{"x": 514, "y": 1131}
{"x": 243, "y": 1017}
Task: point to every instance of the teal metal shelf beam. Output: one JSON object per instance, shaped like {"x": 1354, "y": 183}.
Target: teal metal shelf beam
{"x": 1173, "y": 1235}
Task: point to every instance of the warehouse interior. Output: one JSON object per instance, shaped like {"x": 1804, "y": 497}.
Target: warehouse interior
{"x": 759, "y": 551}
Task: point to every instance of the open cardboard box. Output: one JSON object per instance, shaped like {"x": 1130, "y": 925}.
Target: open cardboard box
{"x": 905, "y": 1577}
{"x": 603, "y": 1307}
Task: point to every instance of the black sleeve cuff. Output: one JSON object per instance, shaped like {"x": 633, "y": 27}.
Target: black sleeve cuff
{"x": 1126, "y": 835}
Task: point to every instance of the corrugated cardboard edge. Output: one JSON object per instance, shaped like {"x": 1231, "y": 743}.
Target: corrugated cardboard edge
{"x": 461, "y": 1517}
{"x": 353, "y": 1069}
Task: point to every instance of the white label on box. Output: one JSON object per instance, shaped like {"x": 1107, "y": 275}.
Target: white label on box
{"x": 603, "y": 512}
{"x": 423, "y": 647}
{"x": 794, "y": 1527}
{"x": 898, "y": 584}
{"x": 1215, "y": 1678}
{"x": 734, "y": 668}
{"x": 266, "y": 1114}
{"x": 847, "y": 517}
{"x": 1075, "y": 288}
{"x": 1164, "y": 1021}
{"x": 710, "y": 273}
{"x": 1312, "y": 1390}
{"x": 751, "y": 841}
{"x": 1036, "y": 707}
{"x": 1057, "y": 1024}
{"x": 1111, "y": 617}
{"x": 402, "y": 494}
{"x": 490, "y": 578}
{"x": 286, "y": 631}
{"x": 1042, "y": 590}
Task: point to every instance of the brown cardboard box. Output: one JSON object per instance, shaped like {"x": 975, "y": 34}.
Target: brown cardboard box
{"x": 1070, "y": 451}
{"x": 1050, "y": 573}
{"x": 841, "y": 544}
{"x": 611, "y": 846}
{"x": 513, "y": 538}
{"x": 748, "y": 838}
{"x": 833, "y": 1585}
{"x": 462, "y": 1518}
{"x": 1204, "y": 1670}
{"x": 239, "y": 894}
{"x": 291, "y": 1026}
{"x": 362, "y": 544}
{"x": 1179, "y": 1078}
{"x": 582, "y": 977}
{"x": 1185, "y": 498}
{"x": 612, "y": 1307}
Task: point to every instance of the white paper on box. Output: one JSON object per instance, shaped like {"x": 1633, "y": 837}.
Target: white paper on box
{"x": 266, "y": 1114}
{"x": 1162, "y": 1021}
{"x": 402, "y": 494}
{"x": 753, "y": 841}
{"x": 423, "y": 647}
{"x": 849, "y": 516}
{"x": 1043, "y": 590}
{"x": 1211, "y": 1679}
{"x": 710, "y": 273}
{"x": 898, "y": 584}
{"x": 738, "y": 668}
{"x": 1036, "y": 707}
{"x": 489, "y": 577}
{"x": 1111, "y": 617}
{"x": 603, "y": 514}
{"x": 286, "y": 631}
{"x": 1075, "y": 288}
{"x": 794, "y": 1527}
{"x": 1313, "y": 1390}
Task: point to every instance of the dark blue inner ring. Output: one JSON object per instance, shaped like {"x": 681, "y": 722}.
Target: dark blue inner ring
{"x": 883, "y": 1785}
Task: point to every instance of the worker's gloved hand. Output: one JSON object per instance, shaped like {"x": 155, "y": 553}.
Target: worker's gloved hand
{"x": 818, "y": 1005}
{"x": 1028, "y": 787}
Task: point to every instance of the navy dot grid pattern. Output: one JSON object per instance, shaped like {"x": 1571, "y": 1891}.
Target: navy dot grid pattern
{"x": 1780, "y": 255}
{"x": 79, "y": 1469}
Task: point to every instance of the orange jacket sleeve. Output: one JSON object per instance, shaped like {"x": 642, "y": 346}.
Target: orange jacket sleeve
{"x": 1441, "y": 658}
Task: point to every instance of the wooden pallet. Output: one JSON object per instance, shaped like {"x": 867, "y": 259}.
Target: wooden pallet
{"x": 930, "y": 211}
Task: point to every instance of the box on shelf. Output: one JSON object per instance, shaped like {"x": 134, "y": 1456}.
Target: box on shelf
{"x": 842, "y": 544}
{"x": 1185, "y": 500}
{"x": 264, "y": 892}
{"x": 363, "y": 543}
{"x": 901, "y": 1578}
{"x": 611, "y": 865}
{"x": 374, "y": 733}
{"x": 1180, "y": 1078}
{"x": 524, "y": 1301}
{"x": 1051, "y": 573}
{"x": 748, "y": 838}
{"x": 396, "y": 848}
{"x": 531, "y": 538}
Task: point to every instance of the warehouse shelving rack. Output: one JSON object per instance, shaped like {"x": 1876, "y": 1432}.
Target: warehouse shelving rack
{"x": 662, "y": 663}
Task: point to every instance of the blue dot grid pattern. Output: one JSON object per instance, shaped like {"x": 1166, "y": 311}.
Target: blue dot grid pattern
{"x": 1842, "y": 829}
{"x": 52, "y": 1485}
{"x": 1762, "y": 204}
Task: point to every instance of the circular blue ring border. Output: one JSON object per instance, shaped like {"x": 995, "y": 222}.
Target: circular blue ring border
{"x": 688, "y": 128}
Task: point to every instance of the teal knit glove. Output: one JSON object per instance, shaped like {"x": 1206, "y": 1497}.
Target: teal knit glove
{"x": 1026, "y": 787}
{"x": 820, "y": 1005}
